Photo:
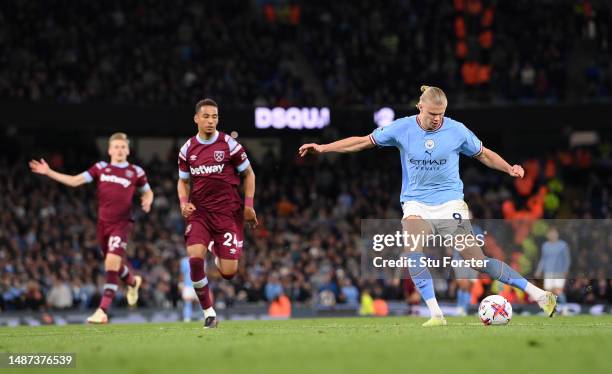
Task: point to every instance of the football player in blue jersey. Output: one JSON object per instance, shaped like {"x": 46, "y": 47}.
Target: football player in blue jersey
{"x": 432, "y": 191}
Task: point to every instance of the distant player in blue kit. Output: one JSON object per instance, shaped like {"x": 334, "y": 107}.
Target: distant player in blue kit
{"x": 432, "y": 190}
{"x": 187, "y": 291}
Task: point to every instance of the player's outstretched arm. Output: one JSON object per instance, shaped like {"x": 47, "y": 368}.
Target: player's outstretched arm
{"x": 495, "y": 161}
{"x": 249, "y": 194}
{"x": 41, "y": 167}
{"x": 352, "y": 144}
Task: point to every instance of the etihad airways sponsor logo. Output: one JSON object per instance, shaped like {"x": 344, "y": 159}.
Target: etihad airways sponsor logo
{"x": 428, "y": 162}
{"x": 204, "y": 170}
{"x": 115, "y": 179}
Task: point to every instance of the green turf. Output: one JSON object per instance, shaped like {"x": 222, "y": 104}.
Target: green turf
{"x": 349, "y": 345}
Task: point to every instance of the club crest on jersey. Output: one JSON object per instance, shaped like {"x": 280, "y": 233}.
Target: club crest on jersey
{"x": 429, "y": 144}
{"x": 219, "y": 155}
{"x": 129, "y": 173}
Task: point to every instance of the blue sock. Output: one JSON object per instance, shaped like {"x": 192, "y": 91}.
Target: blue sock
{"x": 421, "y": 277}
{"x": 562, "y": 299}
{"x": 463, "y": 299}
{"x": 187, "y": 309}
{"x": 502, "y": 272}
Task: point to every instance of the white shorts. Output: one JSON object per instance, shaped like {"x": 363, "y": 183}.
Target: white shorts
{"x": 189, "y": 293}
{"x": 552, "y": 283}
{"x": 454, "y": 209}
{"x": 450, "y": 218}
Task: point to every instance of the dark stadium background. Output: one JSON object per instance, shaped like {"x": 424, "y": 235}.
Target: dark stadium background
{"x": 71, "y": 73}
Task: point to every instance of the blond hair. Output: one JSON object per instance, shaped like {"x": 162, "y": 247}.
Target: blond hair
{"x": 119, "y": 136}
{"x": 433, "y": 95}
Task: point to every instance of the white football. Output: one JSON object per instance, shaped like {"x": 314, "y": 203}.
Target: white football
{"x": 495, "y": 310}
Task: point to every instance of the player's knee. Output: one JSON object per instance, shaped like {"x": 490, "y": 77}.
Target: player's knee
{"x": 228, "y": 276}
{"x": 228, "y": 268}
{"x": 197, "y": 250}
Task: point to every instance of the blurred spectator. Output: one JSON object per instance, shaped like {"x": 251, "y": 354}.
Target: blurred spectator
{"x": 273, "y": 287}
{"x": 349, "y": 293}
{"x": 280, "y": 307}
{"x": 60, "y": 295}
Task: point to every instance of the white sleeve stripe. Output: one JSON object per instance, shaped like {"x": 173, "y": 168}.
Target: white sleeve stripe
{"x": 183, "y": 174}
{"x": 239, "y": 147}
{"x": 184, "y": 148}
{"x": 182, "y": 157}
{"x": 480, "y": 151}
{"x": 372, "y": 139}
{"x": 87, "y": 176}
{"x": 242, "y": 167}
{"x": 145, "y": 188}
{"x": 231, "y": 142}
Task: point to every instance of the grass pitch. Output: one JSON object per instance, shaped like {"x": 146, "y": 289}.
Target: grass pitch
{"x": 345, "y": 345}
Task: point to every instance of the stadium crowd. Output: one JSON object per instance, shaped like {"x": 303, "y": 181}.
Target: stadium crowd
{"x": 306, "y": 246}
{"x": 265, "y": 52}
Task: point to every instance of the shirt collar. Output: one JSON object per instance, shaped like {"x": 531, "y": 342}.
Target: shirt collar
{"x": 209, "y": 141}
{"x": 123, "y": 164}
{"x": 434, "y": 130}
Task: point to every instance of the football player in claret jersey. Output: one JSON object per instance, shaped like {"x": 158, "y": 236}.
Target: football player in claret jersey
{"x": 117, "y": 182}
{"x": 210, "y": 166}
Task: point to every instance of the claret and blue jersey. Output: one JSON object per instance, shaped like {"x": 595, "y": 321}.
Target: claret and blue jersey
{"x": 430, "y": 159}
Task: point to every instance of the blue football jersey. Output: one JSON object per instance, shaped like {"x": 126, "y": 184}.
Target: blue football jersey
{"x": 430, "y": 159}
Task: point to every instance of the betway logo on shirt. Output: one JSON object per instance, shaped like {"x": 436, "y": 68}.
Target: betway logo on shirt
{"x": 205, "y": 170}
{"x": 115, "y": 179}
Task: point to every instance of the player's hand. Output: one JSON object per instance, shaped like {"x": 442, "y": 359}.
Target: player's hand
{"x": 516, "y": 171}
{"x": 310, "y": 148}
{"x": 39, "y": 167}
{"x": 250, "y": 217}
{"x": 187, "y": 209}
{"x": 145, "y": 202}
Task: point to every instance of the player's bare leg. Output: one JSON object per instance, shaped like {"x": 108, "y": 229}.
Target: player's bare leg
{"x": 197, "y": 255}
{"x": 421, "y": 277}
{"x": 227, "y": 268}
{"x": 112, "y": 263}
{"x": 502, "y": 272}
